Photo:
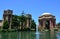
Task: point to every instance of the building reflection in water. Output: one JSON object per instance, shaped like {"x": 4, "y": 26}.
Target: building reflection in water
{"x": 58, "y": 35}
{"x": 29, "y": 35}
{"x": 43, "y": 35}
{"x": 48, "y": 35}
{"x": 0, "y": 36}
{"x": 26, "y": 35}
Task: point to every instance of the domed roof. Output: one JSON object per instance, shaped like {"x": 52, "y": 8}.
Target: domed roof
{"x": 46, "y": 14}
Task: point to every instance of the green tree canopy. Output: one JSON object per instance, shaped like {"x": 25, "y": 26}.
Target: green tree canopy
{"x": 58, "y": 24}
{"x": 15, "y": 21}
{"x": 22, "y": 19}
{"x": 33, "y": 24}
{"x": 5, "y": 25}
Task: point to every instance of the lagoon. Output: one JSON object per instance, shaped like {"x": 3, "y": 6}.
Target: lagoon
{"x": 30, "y": 35}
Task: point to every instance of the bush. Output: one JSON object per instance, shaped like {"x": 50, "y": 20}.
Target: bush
{"x": 55, "y": 29}
{"x": 26, "y": 29}
{"x": 5, "y": 25}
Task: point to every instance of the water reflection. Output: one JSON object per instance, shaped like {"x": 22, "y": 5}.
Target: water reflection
{"x": 48, "y": 35}
{"x": 37, "y": 36}
{"x": 29, "y": 35}
{"x": 58, "y": 35}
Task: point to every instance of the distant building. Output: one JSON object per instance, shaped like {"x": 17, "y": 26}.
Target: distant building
{"x": 1, "y": 23}
{"x": 47, "y": 21}
{"x": 8, "y": 15}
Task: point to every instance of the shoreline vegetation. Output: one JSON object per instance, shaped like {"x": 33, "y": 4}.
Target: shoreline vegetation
{"x": 15, "y": 30}
{"x": 18, "y": 30}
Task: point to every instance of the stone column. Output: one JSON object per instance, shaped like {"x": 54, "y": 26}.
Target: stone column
{"x": 39, "y": 23}
{"x": 10, "y": 17}
{"x": 20, "y": 25}
{"x": 30, "y": 23}
{"x": 27, "y": 23}
{"x": 55, "y": 24}
{"x": 23, "y": 25}
{"x": 51, "y": 24}
{"x": 43, "y": 24}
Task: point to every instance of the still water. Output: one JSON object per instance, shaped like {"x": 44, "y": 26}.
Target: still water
{"x": 29, "y": 35}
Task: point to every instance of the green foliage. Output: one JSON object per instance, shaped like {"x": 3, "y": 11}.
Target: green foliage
{"x": 15, "y": 21}
{"x": 22, "y": 19}
{"x": 26, "y": 29}
{"x": 5, "y": 25}
{"x": 33, "y": 24}
{"x": 59, "y": 24}
{"x": 55, "y": 29}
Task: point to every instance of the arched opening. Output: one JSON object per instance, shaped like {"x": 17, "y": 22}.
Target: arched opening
{"x": 47, "y": 25}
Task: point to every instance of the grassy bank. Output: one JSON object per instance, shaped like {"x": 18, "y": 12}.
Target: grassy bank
{"x": 14, "y": 30}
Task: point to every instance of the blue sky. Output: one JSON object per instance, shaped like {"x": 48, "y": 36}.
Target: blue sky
{"x": 33, "y": 7}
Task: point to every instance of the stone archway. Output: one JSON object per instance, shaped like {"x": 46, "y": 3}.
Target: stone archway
{"x": 47, "y": 24}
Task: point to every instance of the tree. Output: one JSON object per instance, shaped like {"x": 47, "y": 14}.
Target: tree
{"x": 22, "y": 19}
{"x": 5, "y": 25}
{"x": 33, "y": 24}
{"x": 59, "y": 24}
{"x": 15, "y": 22}
{"x": 18, "y": 21}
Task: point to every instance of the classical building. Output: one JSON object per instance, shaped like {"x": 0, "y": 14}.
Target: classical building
{"x": 47, "y": 21}
{"x": 8, "y": 15}
{"x": 27, "y": 23}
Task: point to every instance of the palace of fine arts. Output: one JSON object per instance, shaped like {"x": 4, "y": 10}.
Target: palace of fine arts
{"x": 25, "y": 22}
{"x": 29, "y": 19}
